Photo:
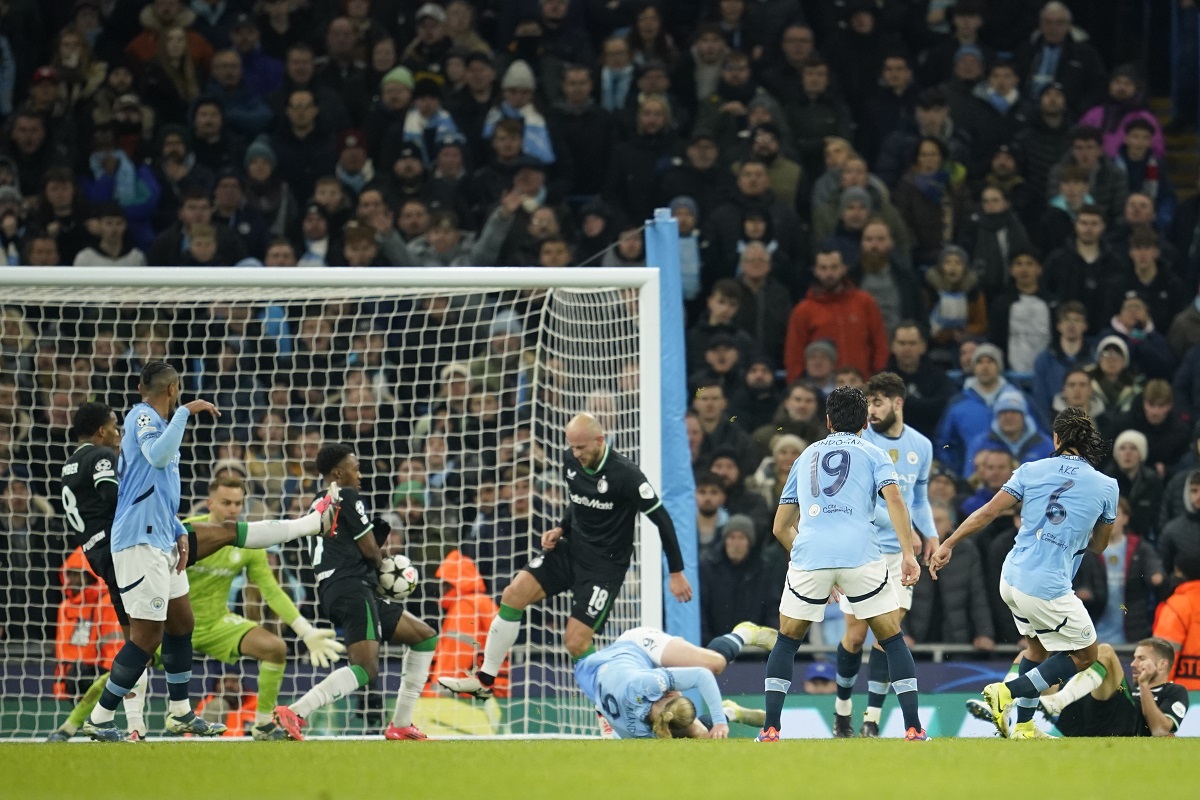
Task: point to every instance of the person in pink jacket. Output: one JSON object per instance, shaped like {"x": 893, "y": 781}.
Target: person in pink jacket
{"x": 1126, "y": 102}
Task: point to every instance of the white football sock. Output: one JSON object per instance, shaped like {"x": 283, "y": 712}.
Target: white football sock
{"x": 1079, "y": 687}
{"x": 339, "y": 683}
{"x": 502, "y": 635}
{"x": 135, "y": 705}
{"x": 416, "y": 674}
{"x": 261, "y": 535}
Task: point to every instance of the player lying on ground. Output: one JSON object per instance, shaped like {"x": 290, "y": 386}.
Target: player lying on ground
{"x": 223, "y": 635}
{"x": 826, "y": 522}
{"x": 89, "y": 496}
{"x": 912, "y": 455}
{"x": 1155, "y": 707}
{"x": 347, "y": 566}
{"x": 1065, "y": 498}
{"x": 637, "y": 682}
{"x": 588, "y": 553}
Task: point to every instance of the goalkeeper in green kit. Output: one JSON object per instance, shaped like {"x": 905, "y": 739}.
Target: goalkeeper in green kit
{"x": 227, "y": 637}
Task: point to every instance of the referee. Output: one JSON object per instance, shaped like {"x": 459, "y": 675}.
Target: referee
{"x": 587, "y": 553}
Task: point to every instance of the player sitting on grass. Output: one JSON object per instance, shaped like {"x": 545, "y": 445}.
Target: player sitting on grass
{"x": 346, "y": 566}
{"x": 1156, "y": 707}
{"x": 587, "y": 553}
{"x": 637, "y": 680}
{"x": 89, "y": 495}
{"x": 1068, "y": 508}
{"x": 826, "y": 521}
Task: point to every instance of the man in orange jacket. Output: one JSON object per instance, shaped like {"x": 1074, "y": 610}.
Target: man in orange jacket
{"x": 1178, "y": 621}
{"x": 469, "y": 614}
{"x": 88, "y": 634}
{"x": 835, "y": 309}
{"x": 231, "y": 704}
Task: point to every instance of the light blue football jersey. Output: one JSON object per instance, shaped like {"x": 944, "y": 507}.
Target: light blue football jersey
{"x": 1063, "y": 498}
{"x": 912, "y": 454}
{"x": 836, "y": 483}
{"x": 148, "y": 496}
{"x": 623, "y": 683}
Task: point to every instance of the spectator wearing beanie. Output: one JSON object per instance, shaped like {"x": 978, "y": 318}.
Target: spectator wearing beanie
{"x": 733, "y": 582}
{"x": 427, "y": 122}
{"x": 969, "y": 415}
{"x": 268, "y": 193}
{"x": 517, "y": 88}
{"x": 1013, "y": 429}
{"x": 1136, "y": 480}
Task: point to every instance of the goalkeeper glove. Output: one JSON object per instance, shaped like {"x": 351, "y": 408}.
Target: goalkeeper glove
{"x": 323, "y": 647}
{"x": 381, "y": 528}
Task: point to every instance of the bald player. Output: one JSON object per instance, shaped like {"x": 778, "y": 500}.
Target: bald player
{"x": 587, "y": 553}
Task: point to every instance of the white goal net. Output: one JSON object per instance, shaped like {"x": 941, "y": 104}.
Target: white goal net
{"x": 452, "y": 386}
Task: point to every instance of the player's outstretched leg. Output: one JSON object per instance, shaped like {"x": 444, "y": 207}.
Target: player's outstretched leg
{"x": 80, "y": 712}
{"x": 1107, "y": 664}
{"x": 211, "y": 536}
{"x": 502, "y": 635}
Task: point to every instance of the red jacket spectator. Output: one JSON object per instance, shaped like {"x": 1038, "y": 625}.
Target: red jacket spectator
{"x": 835, "y": 309}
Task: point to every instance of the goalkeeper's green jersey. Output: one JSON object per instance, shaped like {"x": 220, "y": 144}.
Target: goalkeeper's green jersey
{"x": 212, "y": 578}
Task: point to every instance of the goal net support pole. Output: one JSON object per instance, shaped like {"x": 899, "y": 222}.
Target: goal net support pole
{"x": 678, "y": 487}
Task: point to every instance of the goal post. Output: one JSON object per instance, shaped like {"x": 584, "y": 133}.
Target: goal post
{"x": 606, "y": 340}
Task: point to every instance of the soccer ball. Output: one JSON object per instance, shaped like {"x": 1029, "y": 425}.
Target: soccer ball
{"x": 397, "y": 578}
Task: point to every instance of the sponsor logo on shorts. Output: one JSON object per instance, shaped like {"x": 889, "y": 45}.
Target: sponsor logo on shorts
{"x": 158, "y": 604}
{"x": 1087, "y": 633}
{"x": 571, "y": 474}
{"x": 649, "y": 643}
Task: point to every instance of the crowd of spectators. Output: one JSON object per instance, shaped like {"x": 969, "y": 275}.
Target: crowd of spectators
{"x": 972, "y": 194}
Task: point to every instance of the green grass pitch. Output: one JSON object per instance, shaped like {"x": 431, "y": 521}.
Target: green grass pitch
{"x": 578, "y": 770}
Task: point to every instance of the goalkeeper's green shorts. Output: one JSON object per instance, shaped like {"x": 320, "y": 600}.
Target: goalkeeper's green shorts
{"x": 223, "y": 639}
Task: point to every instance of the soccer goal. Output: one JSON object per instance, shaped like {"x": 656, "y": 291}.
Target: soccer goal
{"x": 454, "y": 387}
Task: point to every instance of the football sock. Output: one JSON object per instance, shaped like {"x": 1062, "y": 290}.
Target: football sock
{"x": 134, "y": 704}
{"x": 1080, "y": 686}
{"x": 270, "y": 678}
{"x": 128, "y": 665}
{"x": 1058, "y": 668}
{"x": 336, "y": 685}
{"x": 728, "y": 646}
{"x": 1025, "y": 708}
{"x": 261, "y": 535}
{"x": 85, "y": 705}
{"x": 780, "y": 665}
{"x": 848, "y": 665}
{"x": 416, "y": 673}
{"x": 177, "y": 663}
{"x": 903, "y": 672}
{"x": 878, "y": 683}
{"x": 502, "y": 635}
{"x": 1014, "y": 671}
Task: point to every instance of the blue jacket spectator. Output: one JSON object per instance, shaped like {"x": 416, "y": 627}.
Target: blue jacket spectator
{"x": 1069, "y": 350}
{"x": 969, "y": 415}
{"x": 1014, "y": 429}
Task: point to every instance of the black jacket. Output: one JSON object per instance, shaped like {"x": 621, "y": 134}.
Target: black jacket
{"x": 634, "y": 173}
{"x": 302, "y": 161}
{"x": 589, "y": 135}
{"x": 1169, "y": 440}
{"x": 733, "y": 593}
{"x": 929, "y": 390}
{"x": 1069, "y": 277}
{"x": 954, "y": 609}
{"x": 1080, "y": 71}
